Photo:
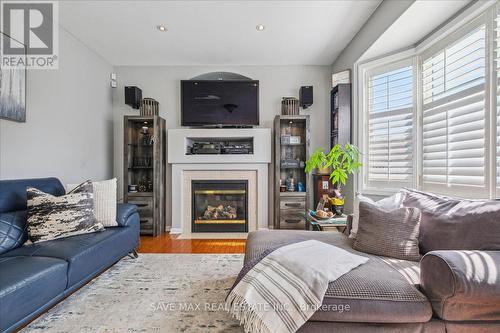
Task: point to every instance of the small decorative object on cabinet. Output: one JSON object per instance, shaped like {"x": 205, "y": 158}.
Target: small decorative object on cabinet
{"x": 291, "y": 192}
{"x": 149, "y": 107}
{"x": 340, "y": 117}
{"x": 289, "y": 106}
{"x": 144, "y": 170}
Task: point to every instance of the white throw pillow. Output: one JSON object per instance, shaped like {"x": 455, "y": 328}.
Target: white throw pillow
{"x": 393, "y": 202}
{"x": 104, "y": 201}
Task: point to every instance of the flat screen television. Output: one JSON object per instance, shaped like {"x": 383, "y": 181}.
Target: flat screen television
{"x": 219, "y": 103}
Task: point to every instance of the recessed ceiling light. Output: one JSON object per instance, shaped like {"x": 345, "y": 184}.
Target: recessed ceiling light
{"x": 161, "y": 27}
{"x": 260, "y": 27}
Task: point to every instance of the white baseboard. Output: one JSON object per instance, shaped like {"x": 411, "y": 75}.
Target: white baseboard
{"x": 175, "y": 230}
{"x": 214, "y": 235}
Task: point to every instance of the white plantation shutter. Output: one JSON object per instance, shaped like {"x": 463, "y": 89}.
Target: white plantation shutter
{"x": 453, "y": 134}
{"x": 389, "y": 157}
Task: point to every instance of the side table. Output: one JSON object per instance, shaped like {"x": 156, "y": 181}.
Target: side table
{"x": 335, "y": 224}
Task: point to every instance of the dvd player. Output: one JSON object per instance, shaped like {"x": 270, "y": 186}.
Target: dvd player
{"x": 206, "y": 148}
{"x": 224, "y": 148}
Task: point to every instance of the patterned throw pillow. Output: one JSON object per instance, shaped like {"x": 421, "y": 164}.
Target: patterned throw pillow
{"x": 51, "y": 217}
{"x": 388, "y": 233}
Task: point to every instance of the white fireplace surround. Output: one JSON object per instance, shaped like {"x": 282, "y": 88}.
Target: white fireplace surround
{"x": 250, "y": 167}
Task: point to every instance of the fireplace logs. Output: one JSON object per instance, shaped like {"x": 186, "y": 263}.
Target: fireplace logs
{"x": 219, "y": 205}
{"x": 220, "y": 213}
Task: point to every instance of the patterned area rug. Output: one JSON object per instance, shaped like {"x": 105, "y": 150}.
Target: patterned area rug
{"x": 154, "y": 293}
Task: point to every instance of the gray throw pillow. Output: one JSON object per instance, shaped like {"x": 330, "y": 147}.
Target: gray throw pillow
{"x": 455, "y": 224}
{"x": 387, "y": 233}
{"x": 51, "y": 217}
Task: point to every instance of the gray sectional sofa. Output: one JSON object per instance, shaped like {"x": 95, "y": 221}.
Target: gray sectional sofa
{"x": 447, "y": 291}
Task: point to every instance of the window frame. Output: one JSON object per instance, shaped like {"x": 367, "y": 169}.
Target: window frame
{"x": 460, "y": 190}
{"x": 369, "y": 70}
{"x": 492, "y": 104}
{"x": 450, "y": 33}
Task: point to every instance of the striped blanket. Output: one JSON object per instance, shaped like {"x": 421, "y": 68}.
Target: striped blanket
{"x": 284, "y": 289}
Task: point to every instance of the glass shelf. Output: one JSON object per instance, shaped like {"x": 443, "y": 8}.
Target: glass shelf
{"x": 140, "y": 167}
{"x": 144, "y": 146}
{"x": 293, "y": 194}
{"x": 291, "y": 167}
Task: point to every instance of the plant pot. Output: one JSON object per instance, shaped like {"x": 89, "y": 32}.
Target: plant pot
{"x": 323, "y": 171}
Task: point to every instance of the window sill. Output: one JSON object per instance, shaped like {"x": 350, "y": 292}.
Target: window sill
{"x": 381, "y": 192}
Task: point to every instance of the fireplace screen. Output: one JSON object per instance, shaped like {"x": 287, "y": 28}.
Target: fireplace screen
{"x": 219, "y": 206}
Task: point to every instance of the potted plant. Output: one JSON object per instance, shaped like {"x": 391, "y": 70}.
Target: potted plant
{"x": 318, "y": 161}
{"x": 341, "y": 160}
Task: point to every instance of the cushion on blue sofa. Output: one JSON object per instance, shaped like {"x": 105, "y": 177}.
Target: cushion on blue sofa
{"x": 86, "y": 254}
{"x": 13, "y": 230}
{"x": 27, "y": 284}
{"x": 13, "y": 201}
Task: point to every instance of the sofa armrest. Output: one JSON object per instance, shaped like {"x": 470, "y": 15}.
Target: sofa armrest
{"x": 126, "y": 214}
{"x": 462, "y": 285}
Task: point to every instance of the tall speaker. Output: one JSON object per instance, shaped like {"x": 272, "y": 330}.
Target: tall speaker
{"x": 306, "y": 96}
{"x": 133, "y": 96}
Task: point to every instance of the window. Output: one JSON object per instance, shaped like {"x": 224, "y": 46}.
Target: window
{"x": 453, "y": 131}
{"x": 451, "y": 89}
{"x": 390, "y": 126}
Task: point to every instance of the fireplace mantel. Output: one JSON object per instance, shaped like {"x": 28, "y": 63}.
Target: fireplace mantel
{"x": 251, "y": 167}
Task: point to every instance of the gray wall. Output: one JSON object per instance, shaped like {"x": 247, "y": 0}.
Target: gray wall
{"x": 383, "y": 17}
{"x": 163, "y": 84}
{"x": 68, "y": 131}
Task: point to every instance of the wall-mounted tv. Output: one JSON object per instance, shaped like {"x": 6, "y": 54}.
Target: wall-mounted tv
{"x": 219, "y": 103}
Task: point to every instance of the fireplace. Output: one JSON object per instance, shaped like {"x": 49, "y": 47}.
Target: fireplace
{"x": 219, "y": 205}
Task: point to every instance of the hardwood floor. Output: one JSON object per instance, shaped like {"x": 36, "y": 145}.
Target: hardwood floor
{"x": 167, "y": 243}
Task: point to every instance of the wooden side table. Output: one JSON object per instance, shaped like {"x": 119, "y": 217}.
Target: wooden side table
{"x": 335, "y": 224}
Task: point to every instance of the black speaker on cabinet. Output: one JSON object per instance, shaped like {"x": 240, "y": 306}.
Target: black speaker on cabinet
{"x": 133, "y": 96}
{"x": 306, "y": 96}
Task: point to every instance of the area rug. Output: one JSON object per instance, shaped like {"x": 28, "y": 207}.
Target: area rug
{"x": 154, "y": 293}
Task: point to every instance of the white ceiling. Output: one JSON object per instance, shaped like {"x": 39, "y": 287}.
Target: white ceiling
{"x": 216, "y": 32}
{"x": 419, "y": 20}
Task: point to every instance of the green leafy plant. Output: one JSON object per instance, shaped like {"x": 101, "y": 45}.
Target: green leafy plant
{"x": 343, "y": 160}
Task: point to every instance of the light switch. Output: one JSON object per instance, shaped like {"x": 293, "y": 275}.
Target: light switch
{"x": 325, "y": 184}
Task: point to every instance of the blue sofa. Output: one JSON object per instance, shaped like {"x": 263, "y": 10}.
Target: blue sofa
{"x": 35, "y": 277}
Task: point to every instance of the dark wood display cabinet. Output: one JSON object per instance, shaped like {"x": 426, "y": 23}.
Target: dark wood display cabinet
{"x": 144, "y": 170}
{"x": 340, "y": 116}
{"x": 291, "y": 190}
